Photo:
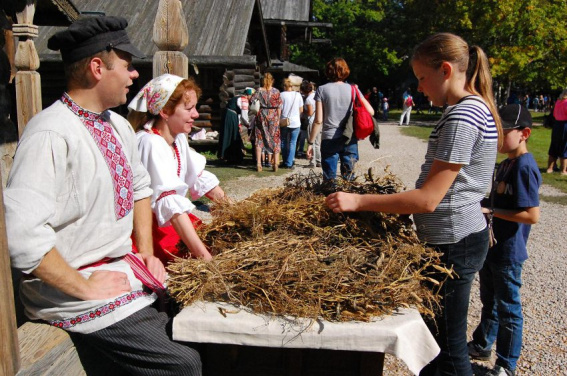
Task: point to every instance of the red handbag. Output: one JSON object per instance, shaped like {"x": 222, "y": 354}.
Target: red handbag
{"x": 362, "y": 120}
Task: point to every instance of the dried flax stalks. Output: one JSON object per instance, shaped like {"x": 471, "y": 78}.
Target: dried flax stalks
{"x": 283, "y": 252}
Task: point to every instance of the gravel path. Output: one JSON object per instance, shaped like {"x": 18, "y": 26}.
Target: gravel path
{"x": 545, "y": 311}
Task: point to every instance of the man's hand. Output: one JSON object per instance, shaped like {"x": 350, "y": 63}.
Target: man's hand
{"x": 342, "y": 202}
{"x": 154, "y": 265}
{"x": 101, "y": 284}
{"x": 104, "y": 284}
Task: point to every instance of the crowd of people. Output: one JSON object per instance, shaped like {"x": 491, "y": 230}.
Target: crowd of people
{"x": 81, "y": 169}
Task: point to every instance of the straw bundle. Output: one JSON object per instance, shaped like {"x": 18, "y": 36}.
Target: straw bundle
{"x": 282, "y": 251}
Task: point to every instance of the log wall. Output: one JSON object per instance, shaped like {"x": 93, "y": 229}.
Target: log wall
{"x": 235, "y": 81}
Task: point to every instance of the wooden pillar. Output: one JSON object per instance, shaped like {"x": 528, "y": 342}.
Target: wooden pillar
{"x": 28, "y": 83}
{"x": 9, "y": 347}
{"x": 284, "y": 48}
{"x": 171, "y": 36}
{"x": 8, "y": 127}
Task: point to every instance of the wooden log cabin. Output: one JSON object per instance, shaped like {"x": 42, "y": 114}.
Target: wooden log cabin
{"x": 225, "y": 51}
{"x": 229, "y": 45}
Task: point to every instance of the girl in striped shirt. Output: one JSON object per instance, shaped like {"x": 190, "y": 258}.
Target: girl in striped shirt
{"x": 455, "y": 177}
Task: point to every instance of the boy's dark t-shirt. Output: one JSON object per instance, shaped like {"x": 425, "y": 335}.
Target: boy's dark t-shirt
{"x": 517, "y": 184}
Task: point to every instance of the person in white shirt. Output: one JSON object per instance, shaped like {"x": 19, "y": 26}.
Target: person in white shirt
{"x": 308, "y": 116}
{"x": 76, "y": 191}
{"x": 292, "y": 107}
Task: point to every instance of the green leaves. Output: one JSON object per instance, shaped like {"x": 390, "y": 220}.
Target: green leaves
{"x": 526, "y": 41}
{"x": 356, "y": 36}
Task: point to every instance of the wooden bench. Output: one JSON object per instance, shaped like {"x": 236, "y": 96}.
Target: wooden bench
{"x": 49, "y": 351}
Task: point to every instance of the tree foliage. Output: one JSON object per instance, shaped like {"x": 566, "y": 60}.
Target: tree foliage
{"x": 355, "y": 36}
{"x": 526, "y": 41}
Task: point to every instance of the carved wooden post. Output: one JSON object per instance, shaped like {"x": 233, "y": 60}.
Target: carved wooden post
{"x": 9, "y": 347}
{"x": 28, "y": 83}
{"x": 8, "y": 128}
{"x": 284, "y": 49}
{"x": 170, "y": 36}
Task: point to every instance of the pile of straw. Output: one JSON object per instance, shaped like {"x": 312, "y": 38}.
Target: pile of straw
{"x": 282, "y": 251}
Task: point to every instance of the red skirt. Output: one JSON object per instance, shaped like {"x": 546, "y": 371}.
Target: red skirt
{"x": 165, "y": 240}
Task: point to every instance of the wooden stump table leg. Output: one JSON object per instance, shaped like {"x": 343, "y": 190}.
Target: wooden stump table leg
{"x": 294, "y": 362}
{"x": 371, "y": 364}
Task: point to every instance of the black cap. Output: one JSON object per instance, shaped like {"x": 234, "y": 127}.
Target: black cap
{"x": 88, "y": 36}
{"x": 515, "y": 116}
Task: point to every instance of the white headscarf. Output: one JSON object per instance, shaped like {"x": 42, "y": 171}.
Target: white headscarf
{"x": 155, "y": 94}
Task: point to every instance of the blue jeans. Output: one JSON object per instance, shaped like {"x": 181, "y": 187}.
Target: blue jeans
{"x": 301, "y": 141}
{"x": 450, "y": 327}
{"x": 289, "y": 141}
{"x": 332, "y": 151}
{"x": 501, "y": 318}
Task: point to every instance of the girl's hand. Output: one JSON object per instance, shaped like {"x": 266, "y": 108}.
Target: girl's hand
{"x": 216, "y": 194}
{"x": 340, "y": 202}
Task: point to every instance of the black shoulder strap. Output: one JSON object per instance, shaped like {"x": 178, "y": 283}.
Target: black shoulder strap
{"x": 468, "y": 97}
{"x": 471, "y": 97}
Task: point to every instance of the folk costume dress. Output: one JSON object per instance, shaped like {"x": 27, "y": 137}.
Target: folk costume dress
{"x": 172, "y": 178}
{"x": 86, "y": 216}
{"x": 173, "y": 174}
{"x": 267, "y": 123}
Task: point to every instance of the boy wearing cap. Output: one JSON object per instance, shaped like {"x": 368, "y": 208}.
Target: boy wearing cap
{"x": 76, "y": 190}
{"x": 515, "y": 209}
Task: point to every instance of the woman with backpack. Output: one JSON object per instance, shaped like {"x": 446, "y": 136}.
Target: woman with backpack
{"x": 333, "y": 106}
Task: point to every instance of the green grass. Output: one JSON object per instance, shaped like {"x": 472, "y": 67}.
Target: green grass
{"x": 537, "y": 145}
{"x": 394, "y": 115}
{"x": 247, "y": 167}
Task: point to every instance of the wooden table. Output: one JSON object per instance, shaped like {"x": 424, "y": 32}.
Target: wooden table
{"x": 236, "y": 342}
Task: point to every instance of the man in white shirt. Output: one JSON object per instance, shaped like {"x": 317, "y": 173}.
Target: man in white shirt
{"x": 75, "y": 192}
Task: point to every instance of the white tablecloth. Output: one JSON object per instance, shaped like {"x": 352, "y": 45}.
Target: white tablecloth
{"x": 402, "y": 334}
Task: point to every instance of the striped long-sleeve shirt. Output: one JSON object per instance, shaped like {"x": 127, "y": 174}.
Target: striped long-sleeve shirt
{"x": 465, "y": 135}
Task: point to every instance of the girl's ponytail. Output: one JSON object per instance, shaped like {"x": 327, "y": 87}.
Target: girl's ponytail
{"x": 479, "y": 82}
{"x": 441, "y": 47}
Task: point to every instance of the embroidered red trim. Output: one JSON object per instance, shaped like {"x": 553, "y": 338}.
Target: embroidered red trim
{"x": 165, "y": 194}
{"x": 119, "y": 166}
{"x": 175, "y": 149}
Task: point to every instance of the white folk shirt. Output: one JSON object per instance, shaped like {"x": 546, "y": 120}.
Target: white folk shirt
{"x": 60, "y": 194}
{"x": 169, "y": 189}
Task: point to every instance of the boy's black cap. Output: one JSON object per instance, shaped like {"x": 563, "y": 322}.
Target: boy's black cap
{"x": 515, "y": 116}
{"x": 88, "y": 36}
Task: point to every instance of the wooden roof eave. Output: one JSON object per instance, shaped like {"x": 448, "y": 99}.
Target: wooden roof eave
{"x": 212, "y": 61}
{"x": 292, "y": 23}
{"x": 55, "y": 13}
{"x": 288, "y": 67}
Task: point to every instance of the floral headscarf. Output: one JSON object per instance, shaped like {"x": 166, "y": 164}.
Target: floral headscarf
{"x": 153, "y": 97}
